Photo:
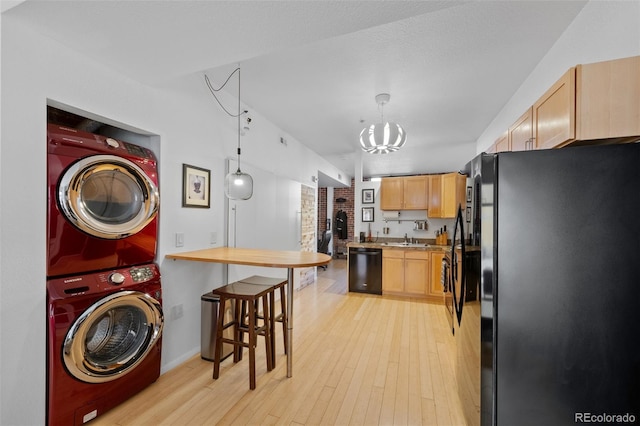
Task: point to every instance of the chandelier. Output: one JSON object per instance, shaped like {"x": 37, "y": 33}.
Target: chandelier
{"x": 384, "y": 137}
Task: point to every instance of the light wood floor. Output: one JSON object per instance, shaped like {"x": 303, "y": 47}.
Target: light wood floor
{"x": 358, "y": 359}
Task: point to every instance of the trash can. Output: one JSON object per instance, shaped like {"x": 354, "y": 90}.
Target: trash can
{"x": 209, "y": 305}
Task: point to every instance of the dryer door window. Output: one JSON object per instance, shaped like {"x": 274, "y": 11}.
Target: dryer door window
{"x": 107, "y": 196}
{"x": 112, "y": 337}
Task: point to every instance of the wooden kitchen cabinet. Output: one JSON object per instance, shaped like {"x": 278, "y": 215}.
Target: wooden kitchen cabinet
{"x": 416, "y": 272}
{"x": 435, "y": 286}
{"x": 391, "y": 193}
{"x": 590, "y": 103}
{"x": 435, "y": 196}
{"x": 502, "y": 143}
{"x": 447, "y": 191}
{"x": 520, "y": 134}
{"x": 392, "y": 271}
{"x": 608, "y": 99}
{"x": 404, "y": 193}
{"x": 416, "y": 190}
{"x": 405, "y": 272}
{"x": 554, "y": 114}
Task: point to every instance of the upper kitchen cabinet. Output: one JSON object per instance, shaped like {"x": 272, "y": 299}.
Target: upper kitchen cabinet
{"x": 435, "y": 196}
{"x": 404, "y": 193}
{"x": 520, "y": 134}
{"x": 608, "y": 99}
{"x": 416, "y": 189}
{"x": 391, "y": 193}
{"x": 591, "y": 102}
{"x": 554, "y": 114}
{"x": 447, "y": 191}
{"x": 502, "y": 143}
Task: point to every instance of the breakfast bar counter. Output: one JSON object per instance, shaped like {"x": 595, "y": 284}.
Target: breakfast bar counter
{"x": 265, "y": 258}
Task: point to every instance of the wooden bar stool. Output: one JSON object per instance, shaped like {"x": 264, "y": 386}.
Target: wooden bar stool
{"x": 276, "y": 283}
{"x": 249, "y": 295}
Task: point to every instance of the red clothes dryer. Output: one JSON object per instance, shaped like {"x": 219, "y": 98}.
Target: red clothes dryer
{"x": 103, "y": 341}
{"x": 102, "y": 203}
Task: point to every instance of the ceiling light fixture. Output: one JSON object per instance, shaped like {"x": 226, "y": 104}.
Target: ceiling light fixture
{"x": 237, "y": 185}
{"x": 384, "y": 137}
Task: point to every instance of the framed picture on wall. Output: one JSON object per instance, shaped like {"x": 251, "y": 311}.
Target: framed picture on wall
{"x": 367, "y": 196}
{"x": 196, "y": 186}
{"x": 367, "y": 214}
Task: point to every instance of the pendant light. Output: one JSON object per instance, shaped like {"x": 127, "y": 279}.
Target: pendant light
{"x": 237, "y": 185}
{"x": 384, "y": 137}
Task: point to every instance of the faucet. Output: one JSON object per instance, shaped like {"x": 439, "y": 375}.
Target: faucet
{"x": 406, "y": 240}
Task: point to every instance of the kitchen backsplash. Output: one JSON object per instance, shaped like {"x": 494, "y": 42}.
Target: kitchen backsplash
{"x": 397, "y": 230}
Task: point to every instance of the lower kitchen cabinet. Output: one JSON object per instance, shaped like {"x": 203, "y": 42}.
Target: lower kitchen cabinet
{"x": 435, "y": 287}
{"x": 392, "y": 271}
{"x": 416, "y": 272}
{"x": 406, "y": 272}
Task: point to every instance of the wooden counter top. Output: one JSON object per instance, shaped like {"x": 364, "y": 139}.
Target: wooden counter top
{"x": 254, "y": 257}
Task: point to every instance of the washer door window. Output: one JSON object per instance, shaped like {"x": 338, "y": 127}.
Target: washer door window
{"x": 112, "y": 337}
{"x": 107, "y": 196}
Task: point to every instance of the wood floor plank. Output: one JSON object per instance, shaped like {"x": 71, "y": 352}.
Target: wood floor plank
{"x": 358, "y": 359}
{"x": 362, "y": 405}
{"x": 414, "y": 408}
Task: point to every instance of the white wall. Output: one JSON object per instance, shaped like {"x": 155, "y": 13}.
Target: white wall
{"x": 270, "y": 219}
{"x": 191, "y": 129}
{"x": 603, "y": 30}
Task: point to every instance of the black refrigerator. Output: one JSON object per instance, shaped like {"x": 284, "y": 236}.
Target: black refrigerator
{"x": 553, "y": 337}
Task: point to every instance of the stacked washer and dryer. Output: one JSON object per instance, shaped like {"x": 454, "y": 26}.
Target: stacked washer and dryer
{"x": 104, "y": 296}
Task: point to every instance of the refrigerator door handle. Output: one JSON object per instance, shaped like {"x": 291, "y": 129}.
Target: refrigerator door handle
{"x": 458, "y": 299}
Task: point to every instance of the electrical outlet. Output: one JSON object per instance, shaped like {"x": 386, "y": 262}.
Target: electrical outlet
{"x": 179, "y": 239}
{"x": 213, "y": 238}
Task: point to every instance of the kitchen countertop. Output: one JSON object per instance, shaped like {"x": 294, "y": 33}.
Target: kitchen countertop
{"x": 398, "y": 245}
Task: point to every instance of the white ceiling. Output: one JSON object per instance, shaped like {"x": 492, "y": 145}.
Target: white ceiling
{"x": 313, "y": 68}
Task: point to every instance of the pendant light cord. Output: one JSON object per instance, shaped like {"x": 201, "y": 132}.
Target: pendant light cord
{"x": 239, "y": 114}
{"x": 213, "y": 90}
{"x": 381, "y": 108}
{"x": 238, "y": 69}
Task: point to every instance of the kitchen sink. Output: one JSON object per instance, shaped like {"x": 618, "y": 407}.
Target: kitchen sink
{"x": 406, "y": 244}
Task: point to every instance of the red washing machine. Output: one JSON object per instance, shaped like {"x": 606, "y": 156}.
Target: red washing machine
{"x": 104, "y": 341}
{"x": 103, "y": 203}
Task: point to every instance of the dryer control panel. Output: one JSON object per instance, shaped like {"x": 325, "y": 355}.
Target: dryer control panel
{"x": 100, "y": 282}
{"x": 142, "y": 274}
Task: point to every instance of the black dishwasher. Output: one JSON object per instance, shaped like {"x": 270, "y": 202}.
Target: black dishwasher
{"x": 365, "y": 270}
